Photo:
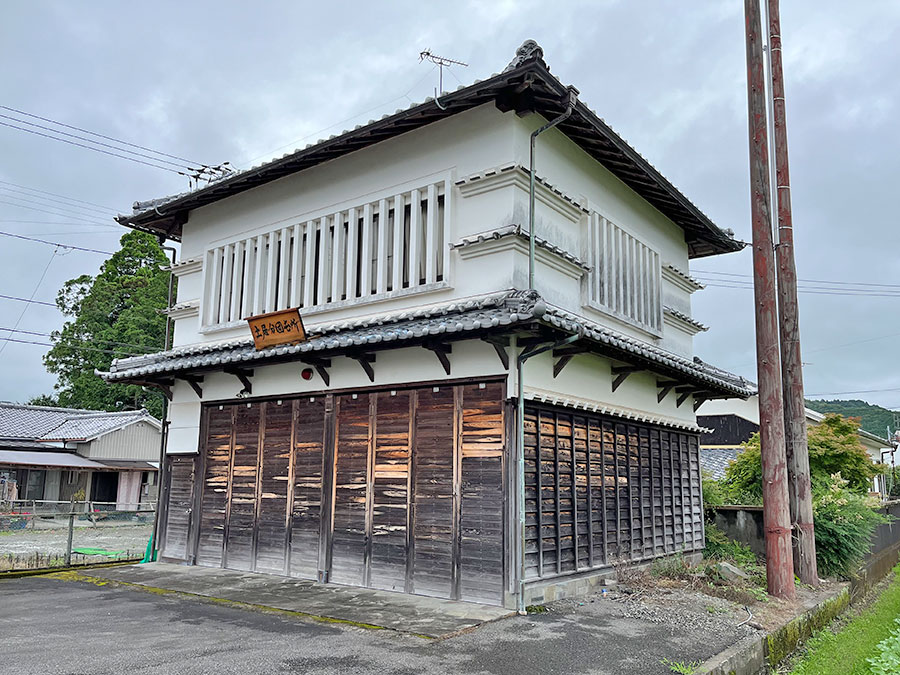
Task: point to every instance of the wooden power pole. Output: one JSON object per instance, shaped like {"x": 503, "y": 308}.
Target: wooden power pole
{"x": 797, "y": 451}
{"x": 779, "y": 563}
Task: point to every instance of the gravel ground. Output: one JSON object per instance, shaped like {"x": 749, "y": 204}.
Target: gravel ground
{"x": 20, "y": 544}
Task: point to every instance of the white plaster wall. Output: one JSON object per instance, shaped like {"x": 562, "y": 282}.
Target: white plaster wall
{"x": 469, "y": 359}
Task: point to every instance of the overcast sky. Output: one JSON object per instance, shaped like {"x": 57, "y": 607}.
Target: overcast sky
{"x": 240, "y": 82}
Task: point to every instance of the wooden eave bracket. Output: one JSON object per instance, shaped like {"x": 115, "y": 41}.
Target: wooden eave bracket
{"x": 164, "y": 386}
{"x": 665, "y": 386}
{"x": 244, "y": 375}
{"x": 683, "y": 393}
{"x": 195, "y": 381}
{"x": 699, "y": 400}
{"x": 366, "y": 361}
{"x": 621, "y": 374}
{"x": 441, "y": 350}
{"x": 321, "y": 366}
{"x": 500, "y": 344}
{"x": 563, "y": 355}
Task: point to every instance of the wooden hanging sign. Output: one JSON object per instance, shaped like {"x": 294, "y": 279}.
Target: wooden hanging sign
{"x": 277, "y": 328}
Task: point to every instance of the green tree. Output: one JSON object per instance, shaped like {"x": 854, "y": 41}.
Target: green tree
{"x": 834, "y": 447}
{"x": 113, "y": 315}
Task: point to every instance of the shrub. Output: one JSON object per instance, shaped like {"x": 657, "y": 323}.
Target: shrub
{"x": 720, "y": 547}
{"x": 834, "y": 447}
{"x": 844, "y": 522}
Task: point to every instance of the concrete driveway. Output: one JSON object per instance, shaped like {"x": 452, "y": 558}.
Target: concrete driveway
{"x": 54, "y": 627}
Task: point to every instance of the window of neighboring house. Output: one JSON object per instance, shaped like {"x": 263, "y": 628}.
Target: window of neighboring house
{"x": 626, "y": 277}
{"x": 71, "y": 477}
{"x": 34, "y": 485}
{"x": 386, "y": 246}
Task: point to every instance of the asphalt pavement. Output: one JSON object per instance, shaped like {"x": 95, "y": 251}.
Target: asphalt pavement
{"x": 55, "y": 627}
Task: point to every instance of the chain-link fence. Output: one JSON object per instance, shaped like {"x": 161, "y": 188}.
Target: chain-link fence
{"x": 38, "y": 535}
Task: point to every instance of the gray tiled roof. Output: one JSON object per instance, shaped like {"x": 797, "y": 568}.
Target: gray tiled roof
{"x": 487, "y": 313}
{"x": 516, "y": 230}
{"x": 716, "y": 460}
{"x": 687, "y": 318}
{"x": 40, "y": 423}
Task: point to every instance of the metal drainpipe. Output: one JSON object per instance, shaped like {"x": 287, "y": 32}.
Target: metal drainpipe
{"x": 524, "y": 356}
{"x": 164, "y": 435}
{"x": 570, "y": 106}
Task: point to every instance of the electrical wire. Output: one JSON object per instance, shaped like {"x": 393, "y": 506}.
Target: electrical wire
{"x": 861, "y": 293}
{"x": 56, "y": 243}
{"x": 811, "y": 281}
{"x": 33, "y": 302}
{"x": 112, "y": 342}
{"x": 861, "y": 391}
{"x": 75, "y": 347}
{"x": 88, "y": 147}
{"x": 33, "y": 293}
{"x": 94, "y": 133}
{"x": 55, "y": 213}
{"x": 51, "y": 201}
{"x": 54, "y": 194}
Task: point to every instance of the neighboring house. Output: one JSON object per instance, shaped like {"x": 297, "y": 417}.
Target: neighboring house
{"x": 383, "y": 451}
{"x": 61, "y": 454}
{"x": 731, "y": 422}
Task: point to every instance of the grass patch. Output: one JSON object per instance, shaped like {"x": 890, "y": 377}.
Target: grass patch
{"x": 845, "y": 652}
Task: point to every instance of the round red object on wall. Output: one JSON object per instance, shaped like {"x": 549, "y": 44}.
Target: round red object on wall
{"x": 306, "y": 373}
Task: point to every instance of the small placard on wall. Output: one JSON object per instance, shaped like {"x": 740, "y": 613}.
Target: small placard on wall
{"x": 277, "y": 328}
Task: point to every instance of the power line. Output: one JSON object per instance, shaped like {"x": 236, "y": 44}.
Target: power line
{"x": 33, "y": 302}
{"x": 847, "y": 293}
{"x": 112, "y": 342}
{"x": 33, "y": 293}
{"x": 88, "y": 147}
{"x": 92, "y": 210}
{"x": 54, "y": 194}
{"x": 53, "y": 213}
{"x": 75, "y": 347}
{"x": 94, "y": 133}
{"x": 54, "y": 243}
{"x": 811, "y": 281}
{"x": 861, "y": 391}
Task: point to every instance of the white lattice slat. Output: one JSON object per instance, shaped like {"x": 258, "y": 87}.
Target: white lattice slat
{"x": 430, "y": 247}
{"x": 309, "y": 268}
{"x": 366, "y": 253}
{"x": 381, "y": 261}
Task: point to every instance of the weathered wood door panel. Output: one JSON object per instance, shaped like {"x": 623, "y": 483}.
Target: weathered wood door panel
{"x": 306, "y": 511}
{"x": 481, "y": 499}
{"x": 214, "y": 499}
{"x": 275, "y": 466}
{"x": 390, "y": 491}
{"x": 239, "y": 539}
{"x": 178, "y": 509}
{"x": 432, "y": 487}
{"x": 351, "y": 498}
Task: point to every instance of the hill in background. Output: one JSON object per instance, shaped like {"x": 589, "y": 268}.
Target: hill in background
{"x": 873, "y": 418}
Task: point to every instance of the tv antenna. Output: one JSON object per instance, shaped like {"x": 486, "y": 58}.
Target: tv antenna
{"x": 441, "y": 62}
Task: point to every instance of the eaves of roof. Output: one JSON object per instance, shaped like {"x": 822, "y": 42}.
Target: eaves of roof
{"x": 503, "y": 312}
{"x": 529, "y": 87}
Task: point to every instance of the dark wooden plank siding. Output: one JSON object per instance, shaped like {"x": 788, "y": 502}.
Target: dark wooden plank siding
{"x": 481, "y": 484}
{"x": 352, "y": 440}
{"x": 214, "y": 499}
{"x": 610, "y": 490}
{"x": 390, "y": 491}
{"x": 178, "y": 510}
{"x": 239, "y": 538}
{"x": 275, "y": 465}
{"x": 432, "y": 487}
{"x": 309, "y": 433}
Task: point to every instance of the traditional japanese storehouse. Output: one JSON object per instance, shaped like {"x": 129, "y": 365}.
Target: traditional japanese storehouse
{"x": 382, "y": 451}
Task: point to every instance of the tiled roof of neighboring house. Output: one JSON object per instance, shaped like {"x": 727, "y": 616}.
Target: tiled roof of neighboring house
{"x": 716, "y": 460}
{"x": 29, "y": 425}
{"x": 516, "y": 230}
{"x": 482, "y": 314}
{"x": 526, "y": 87}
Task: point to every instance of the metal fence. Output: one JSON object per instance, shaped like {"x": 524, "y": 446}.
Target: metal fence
{"x": 39, "y": 535}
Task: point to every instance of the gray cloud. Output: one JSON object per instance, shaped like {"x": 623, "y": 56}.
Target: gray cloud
{"x": 236, "y": 81}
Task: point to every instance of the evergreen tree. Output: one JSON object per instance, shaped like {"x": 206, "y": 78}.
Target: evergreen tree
{"x": 113, "y": 315}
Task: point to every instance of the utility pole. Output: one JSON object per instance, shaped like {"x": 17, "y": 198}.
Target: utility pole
{"x": 796, "y": 448}
{"x": 779, "y": 563}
